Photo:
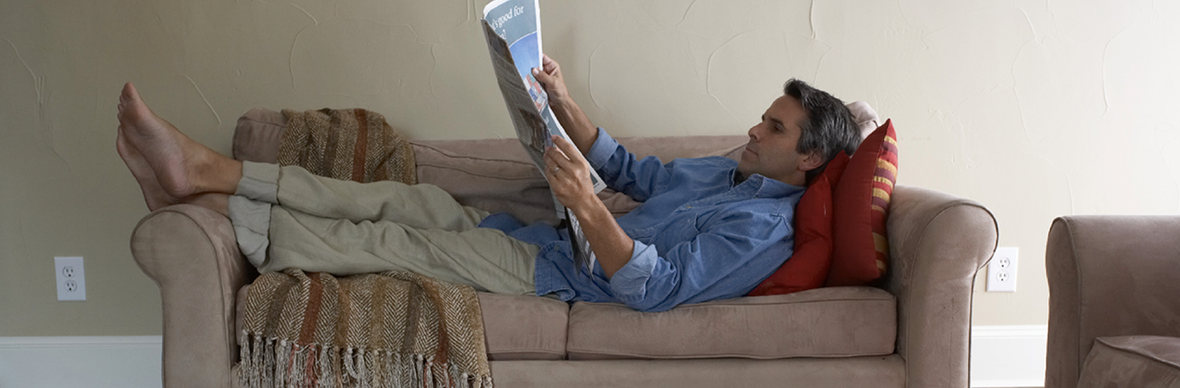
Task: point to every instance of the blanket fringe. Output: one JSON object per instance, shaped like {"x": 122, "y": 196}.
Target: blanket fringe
{"x": 278, "y": 356}
{"x": 275, "y": 363}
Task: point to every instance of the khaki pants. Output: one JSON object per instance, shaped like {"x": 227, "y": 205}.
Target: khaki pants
{"x": 288, "y": 218}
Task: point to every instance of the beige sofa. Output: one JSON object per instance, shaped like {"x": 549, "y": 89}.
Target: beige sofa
{"x": 913, "y": 331}
{"x": 1114, "y": 302}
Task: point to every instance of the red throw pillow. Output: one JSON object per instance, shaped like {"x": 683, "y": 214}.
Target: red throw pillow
{"x": 861, "y": 202}
{"x": 808, "y": 266}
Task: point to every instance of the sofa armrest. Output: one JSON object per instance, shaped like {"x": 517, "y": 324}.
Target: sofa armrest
{"x": 937, "y": 243}
{"x": 192, "y": 254}
{"x": 1108, "y": 276}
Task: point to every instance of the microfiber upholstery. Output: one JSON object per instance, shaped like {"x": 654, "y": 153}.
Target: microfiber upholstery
{"x": 1110, "y": 276}
{"x": 1132, "y": 361}
{"x": 824, "y": 322}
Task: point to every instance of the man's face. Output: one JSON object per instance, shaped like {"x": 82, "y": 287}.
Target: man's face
{"x": 771, "y": 150}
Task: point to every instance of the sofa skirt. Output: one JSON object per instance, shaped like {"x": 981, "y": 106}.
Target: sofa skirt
{"x": 875, "y": 372}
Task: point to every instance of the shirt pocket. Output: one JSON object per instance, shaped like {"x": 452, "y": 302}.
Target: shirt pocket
{"x": 678, "y": 228}
{"x": 642, "y": 234}
{"x": 705, "y": 219}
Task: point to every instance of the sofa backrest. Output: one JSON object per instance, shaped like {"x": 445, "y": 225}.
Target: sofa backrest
{"x": 497, "y": 175}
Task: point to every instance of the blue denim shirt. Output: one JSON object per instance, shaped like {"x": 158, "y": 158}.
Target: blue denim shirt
{"x": 699, "y": 236}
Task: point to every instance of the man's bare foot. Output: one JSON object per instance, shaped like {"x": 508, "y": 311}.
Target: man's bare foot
{"x": 217, "y": 202}
{"x": 182, "y": 167}
{"x": 153, "y": 194}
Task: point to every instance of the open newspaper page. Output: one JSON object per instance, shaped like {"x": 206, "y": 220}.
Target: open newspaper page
{"x": 513, "y": 31}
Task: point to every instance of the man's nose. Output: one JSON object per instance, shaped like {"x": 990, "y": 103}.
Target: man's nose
{"x": 754, "y": 132}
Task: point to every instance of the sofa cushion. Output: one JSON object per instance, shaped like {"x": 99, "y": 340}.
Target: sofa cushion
{"x": 866, "y": 118}
{"x": 861, "y": 206}
{"x": 824, "y": 322}
{"x": 258, "y": 136}
{"x": 1132, "y": 361}
{"x": 517, "y": 327}
{"x": 521, "y": 327}
{"x": 493, "y": 175}
{"x": 855, "y": 372}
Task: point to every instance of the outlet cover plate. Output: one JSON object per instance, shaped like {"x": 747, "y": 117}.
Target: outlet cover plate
{"x": 71, "y": 278}
{"x": 1001, "y": 271}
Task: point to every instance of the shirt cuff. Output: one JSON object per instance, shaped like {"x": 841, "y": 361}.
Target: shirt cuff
{"x": 602, "y": 149}
{"x": 629, "y": 283}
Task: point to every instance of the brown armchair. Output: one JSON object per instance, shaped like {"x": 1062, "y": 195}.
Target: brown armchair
{"x": 1114, "y": 302}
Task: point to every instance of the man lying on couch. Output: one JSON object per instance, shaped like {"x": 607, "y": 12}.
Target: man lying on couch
{"x": 708, "y": 228}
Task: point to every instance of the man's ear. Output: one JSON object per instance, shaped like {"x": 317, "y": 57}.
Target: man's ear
{"x": 811, "y": 160}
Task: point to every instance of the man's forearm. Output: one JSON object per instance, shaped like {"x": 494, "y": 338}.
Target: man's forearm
{"x": 576, "y": 124}
{"x": 611, "y": 245}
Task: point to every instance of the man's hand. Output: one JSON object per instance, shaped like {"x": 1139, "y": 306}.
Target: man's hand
{"x": 577, "y": 125}
{"x": 568, "y": 174}
{"x": 569, "y": 178}
{"x": 549, "y": 75}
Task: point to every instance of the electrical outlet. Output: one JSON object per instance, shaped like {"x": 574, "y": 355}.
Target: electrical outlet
{"x": 1001, "y": 272}
{"x": 71, "y": 278}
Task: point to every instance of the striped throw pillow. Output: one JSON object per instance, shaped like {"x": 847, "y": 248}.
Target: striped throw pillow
{"x": 860, "y": 208}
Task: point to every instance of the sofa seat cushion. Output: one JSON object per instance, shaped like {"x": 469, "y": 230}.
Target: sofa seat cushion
{"x": 1132, "y": 361}
{"x": 521, "y": 327}
{"x": 824, "y": 322}
{"x": 517, "y": 327}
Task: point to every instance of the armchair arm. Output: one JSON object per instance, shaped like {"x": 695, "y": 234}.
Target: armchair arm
{"x": 192, "y": 254}
{"x": 1108, "y": 276}
{"x": 937, "y": 243}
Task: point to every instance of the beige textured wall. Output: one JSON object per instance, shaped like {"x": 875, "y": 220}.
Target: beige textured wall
{"x": 1034, "y": 108}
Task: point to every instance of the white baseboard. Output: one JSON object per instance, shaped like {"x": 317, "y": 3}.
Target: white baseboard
{"x": 1008, "y": 356}
{"x": 1001, "y": 356}
{"x": 121, "y": 361}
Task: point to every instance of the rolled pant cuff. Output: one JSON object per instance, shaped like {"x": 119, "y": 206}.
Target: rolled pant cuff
{"x": 260, "y": 182}
{"x": 249, "y": 209}
{"x": 251, "y": 221}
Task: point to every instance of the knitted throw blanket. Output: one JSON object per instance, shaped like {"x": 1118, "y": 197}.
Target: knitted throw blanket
{"x": 346, "y": 144}
{"x": 393, "y": 329}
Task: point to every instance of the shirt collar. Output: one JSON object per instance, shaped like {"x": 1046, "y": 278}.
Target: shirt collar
{"x": 763, "y": 186}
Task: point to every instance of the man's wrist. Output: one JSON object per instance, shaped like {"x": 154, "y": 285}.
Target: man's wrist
{"x": 558, "y": 105}
{"x": 590, "y": 207}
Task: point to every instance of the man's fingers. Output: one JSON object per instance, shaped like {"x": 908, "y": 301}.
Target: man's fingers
{"x": 568, "y": 149}
{"x": 544, "y": 78}
{"x": 548, "y": 63}
{"x": 558, "y": 158}
{"x": 547, "y": 70}
{"x": 555, "y": 159}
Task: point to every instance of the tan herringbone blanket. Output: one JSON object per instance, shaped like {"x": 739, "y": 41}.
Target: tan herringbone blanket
{"x": 393, "y": 329}
{"x": 346, "y": 144}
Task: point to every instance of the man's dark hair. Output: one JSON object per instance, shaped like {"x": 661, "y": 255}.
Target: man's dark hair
{"x": 829, "y": 127}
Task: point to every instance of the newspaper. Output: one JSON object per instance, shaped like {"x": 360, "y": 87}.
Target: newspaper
{"x": 513, "y": 32}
